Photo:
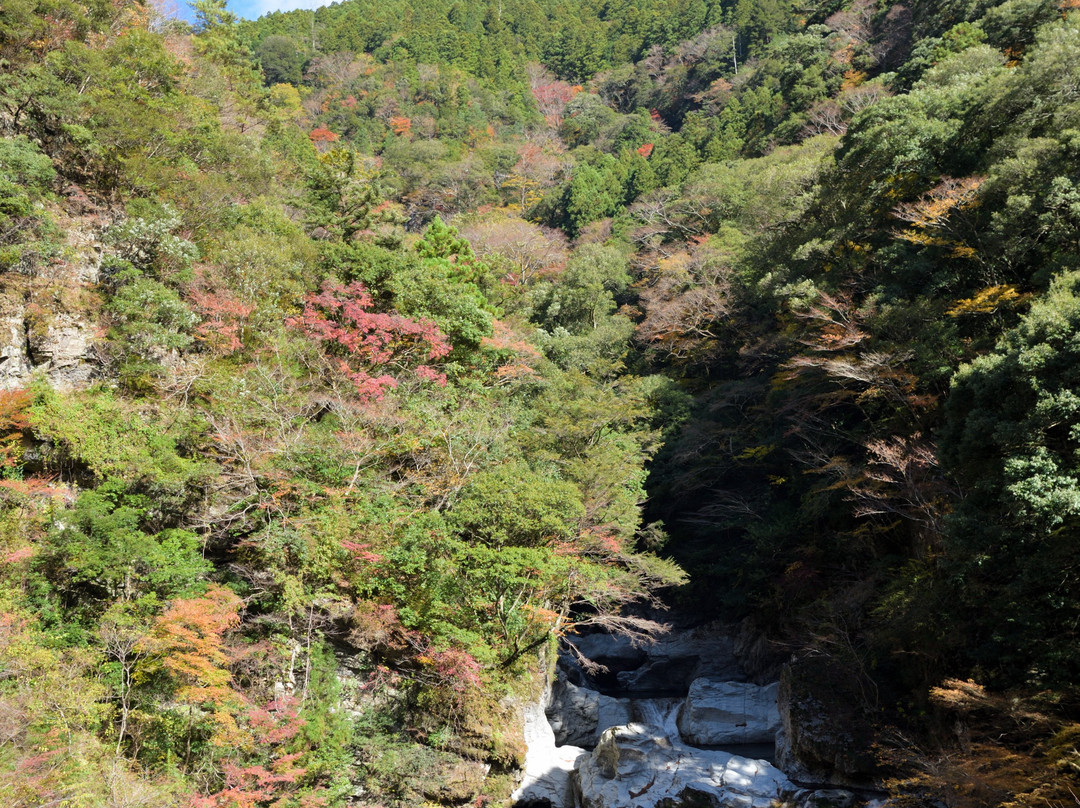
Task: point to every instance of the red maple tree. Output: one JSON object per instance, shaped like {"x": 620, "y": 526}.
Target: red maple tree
{"x": 321, "y": 134}
{"x": 360, "y": 340}
{"x": 224, "y": 319}
{"x": 278, "y": 779}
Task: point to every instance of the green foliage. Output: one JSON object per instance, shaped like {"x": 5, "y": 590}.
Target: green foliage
{"x": 327, "y": 732}
{"x": 585, "y": 293}
{"x": 592, "y": 194}
{"x": 111, "y": 439}
{"x": 25, "y": 171}
{"x": 587, "y": 116}
{"x": 344, "y": 196}
{"x": 218, "y": 38}
{"x": 436, "y": 289}
{"x": 441, "y": 241}
{"x": 1013, "y": 24}
{"x": 281, "y": 60}
{"x": 102, "y": 551}
{"x": 150, "y": 322}
{"x": 25, "y": 178}
{"x": 514, "y": 506}
{"x": 1010, "y": 437}
{"x": 576, "y": 312}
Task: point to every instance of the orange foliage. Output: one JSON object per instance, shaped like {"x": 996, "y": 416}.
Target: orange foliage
{"x": 512, "y": 353}
{"x": 13, "y": 421}
{"x": 853, "y": 79}
{"x": 321, "y": 134}
{"x": 39, "y": 486}
{"x": 401, "y": 125}
{"x": 187, "y": 642}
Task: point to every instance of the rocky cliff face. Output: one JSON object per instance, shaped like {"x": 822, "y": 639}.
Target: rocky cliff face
{"x": 827, "y": 734}
{"x": 49, "y": 319}
{"x": 717, "y": 713}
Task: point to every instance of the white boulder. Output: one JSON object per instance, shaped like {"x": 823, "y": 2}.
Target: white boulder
{"x": 724, "y": 713}
{"x": 639, "y": 765}
{"x": 548, "y": 767}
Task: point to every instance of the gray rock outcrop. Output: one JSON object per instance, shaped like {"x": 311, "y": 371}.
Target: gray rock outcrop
{"x": 668, "y": 665}
{"x": 827, "y": 734}
{"x": 548, "y": 767}
{"x": 49, "y": 321}
{"x": 15, "y": 364}
{"x": 578, "y": 715}
{"x": 719, "y": 713}
{"x": 639, "y": 765}
{"x": 63, "y": 349}
{"x": 610, "y": 650}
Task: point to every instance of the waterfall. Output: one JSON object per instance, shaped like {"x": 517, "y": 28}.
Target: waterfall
{"x": 662, "y": 713}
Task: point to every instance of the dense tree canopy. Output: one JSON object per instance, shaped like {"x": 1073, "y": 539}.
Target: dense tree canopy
{"x": 359, "y": 354}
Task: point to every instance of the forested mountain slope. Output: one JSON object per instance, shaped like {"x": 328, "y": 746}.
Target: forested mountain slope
{"x": 352, "y": 356}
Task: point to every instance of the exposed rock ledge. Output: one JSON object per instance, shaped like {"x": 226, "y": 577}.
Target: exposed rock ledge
{"x": 719, "y": 713}
{"x": 579, "y": 715}
{"x": 638, "y": 765}
{"x": 548, "y": 768}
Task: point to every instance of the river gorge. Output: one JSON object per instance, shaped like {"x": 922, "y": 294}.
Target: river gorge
{"x": 677, "y": 723}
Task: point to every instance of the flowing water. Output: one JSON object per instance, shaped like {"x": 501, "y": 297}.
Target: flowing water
{"x": 641, "y": 759}
{"x": 631, "y": 751}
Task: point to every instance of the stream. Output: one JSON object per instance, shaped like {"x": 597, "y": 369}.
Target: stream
{"x": 675, "y": 724}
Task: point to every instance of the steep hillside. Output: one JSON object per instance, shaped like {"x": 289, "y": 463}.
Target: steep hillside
{"x": 352, "y": 357}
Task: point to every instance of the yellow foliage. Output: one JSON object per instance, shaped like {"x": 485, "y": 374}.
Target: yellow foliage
{"x": 755, "y": 452}
{"x": 916, "y": 237}
{"x": 852, "y": 78}
{"x": 933, "y": 212}
{"x": 988, "y": 301}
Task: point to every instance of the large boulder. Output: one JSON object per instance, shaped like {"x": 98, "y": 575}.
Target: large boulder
{"x": 676, "y": 660}
{"x": 827, "y": 732}
{"x": 578, "y": 715}
{"x": 668, "y": 665}
{"x": 724, "y": 713}
{"x": 548, "y": 767}
{"x": 638, "y": 765}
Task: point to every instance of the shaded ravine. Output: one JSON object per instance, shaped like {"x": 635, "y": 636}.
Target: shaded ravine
{"x": 673, "y": 725}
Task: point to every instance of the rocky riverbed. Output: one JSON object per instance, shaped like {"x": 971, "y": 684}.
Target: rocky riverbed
{"x": 675, "y": 724}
